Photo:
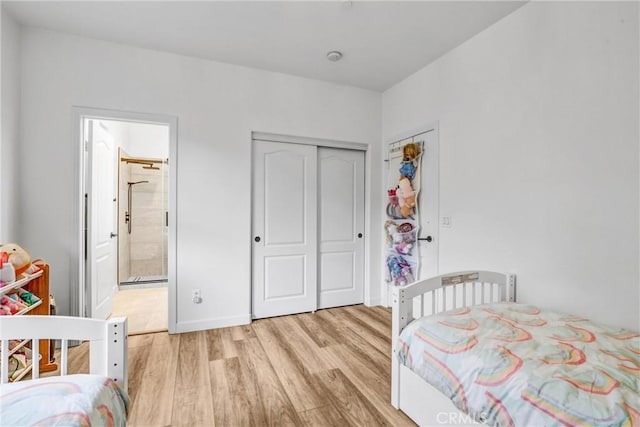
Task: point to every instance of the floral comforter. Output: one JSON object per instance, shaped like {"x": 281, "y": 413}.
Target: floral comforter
{"x": 515, "y": 365}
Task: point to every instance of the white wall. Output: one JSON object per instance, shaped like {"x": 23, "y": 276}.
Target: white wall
{"x": 539, "y": 139}
{"x": 9, "y": 124}
{"x": 217, "y": 106}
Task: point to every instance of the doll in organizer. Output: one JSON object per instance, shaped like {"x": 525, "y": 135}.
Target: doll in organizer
{"x": 399, "y": 270}
{"x": 400, "y": 237}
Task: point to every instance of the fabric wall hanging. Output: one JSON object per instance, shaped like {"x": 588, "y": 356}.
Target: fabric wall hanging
{"x": 402, "y": 213}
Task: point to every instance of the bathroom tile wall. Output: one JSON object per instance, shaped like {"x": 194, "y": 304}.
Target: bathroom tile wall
{"x": 146, "y": 248}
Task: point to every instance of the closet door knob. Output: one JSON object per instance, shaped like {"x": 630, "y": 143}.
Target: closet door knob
{"x": 359, "y": 235}
{"x": 257, "y": 238}
{"x": 112, "y": 235}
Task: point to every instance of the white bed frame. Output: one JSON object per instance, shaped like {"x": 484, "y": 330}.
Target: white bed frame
{"x": 108, "y": 342}
{"x": 409, "y": 392}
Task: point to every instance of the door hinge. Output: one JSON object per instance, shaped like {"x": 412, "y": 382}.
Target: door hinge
{"x": 86, "y": 146}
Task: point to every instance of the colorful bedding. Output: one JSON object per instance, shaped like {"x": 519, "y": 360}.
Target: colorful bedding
{"x": 515, "y": 365}
{"x": 73, "y": 400}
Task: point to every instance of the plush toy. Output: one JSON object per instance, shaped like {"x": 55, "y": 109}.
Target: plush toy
{"x": 17, "y": 256}
{"x": 406, "y": 197}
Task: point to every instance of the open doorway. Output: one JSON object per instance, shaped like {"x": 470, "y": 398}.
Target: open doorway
{"x": 128, "y": 237}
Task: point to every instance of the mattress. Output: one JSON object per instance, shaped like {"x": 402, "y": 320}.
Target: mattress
{"x": 509, "y": 364}
{"x": 72, "y": 400}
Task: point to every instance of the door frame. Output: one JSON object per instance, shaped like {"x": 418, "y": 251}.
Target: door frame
{"x": 403, "y": 136}
{"x": 78, "y": 289}
{"x": 369, "y": 299}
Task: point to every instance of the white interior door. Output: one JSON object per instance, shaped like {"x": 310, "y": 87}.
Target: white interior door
{"x": 341, "y": 200}
{"x": 285, "y": 242}
{"x": 101, "y": 215}
{"x": 429, "y": 205}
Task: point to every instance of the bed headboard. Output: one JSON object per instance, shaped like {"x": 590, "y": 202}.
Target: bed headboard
{"x": 448, "y": 292}
{"x": 108, "y": 342}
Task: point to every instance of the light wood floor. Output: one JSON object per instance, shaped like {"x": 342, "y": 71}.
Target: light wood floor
{"x": 147, "y": 309}
{"x": 329, "y": 368}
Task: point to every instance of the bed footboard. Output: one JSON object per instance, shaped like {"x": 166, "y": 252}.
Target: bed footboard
{"x": 442, "y": 293}
{"x": 108, "y": 342}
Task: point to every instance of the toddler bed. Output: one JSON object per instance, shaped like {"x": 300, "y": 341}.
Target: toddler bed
{"x": 96, "y": 399}
{"x": 479, "y": 357}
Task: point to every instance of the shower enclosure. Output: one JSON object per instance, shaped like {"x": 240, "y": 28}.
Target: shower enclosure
{"x": 143, "y": 220}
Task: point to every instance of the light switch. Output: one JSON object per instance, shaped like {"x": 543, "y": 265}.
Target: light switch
{"x": 446, "y": 221}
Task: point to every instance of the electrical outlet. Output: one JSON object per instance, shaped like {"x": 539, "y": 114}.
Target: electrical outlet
{"x": 196, "y": 296}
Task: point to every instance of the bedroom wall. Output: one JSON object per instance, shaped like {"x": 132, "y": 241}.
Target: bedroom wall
{"x": 9, "y": 124}
{"x": 217, "y": 106}
{"x": 539, "y": 136}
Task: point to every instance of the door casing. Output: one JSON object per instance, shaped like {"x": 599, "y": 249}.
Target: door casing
{"x": 78, "y": 280}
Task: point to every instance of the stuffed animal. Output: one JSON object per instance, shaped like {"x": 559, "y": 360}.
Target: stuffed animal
{"x": 406, "y": 197}
{"x": 17, "y": 256}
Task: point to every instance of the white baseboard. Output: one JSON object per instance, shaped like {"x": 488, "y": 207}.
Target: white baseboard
{"x": 373, "y": 302}
{"x": 219, "y": 322}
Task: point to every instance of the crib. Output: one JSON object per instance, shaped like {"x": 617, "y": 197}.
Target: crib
{"x": 56, "y": 399}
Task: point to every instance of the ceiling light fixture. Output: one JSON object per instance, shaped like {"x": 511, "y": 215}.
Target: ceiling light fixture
{"x": 334, "y": 56}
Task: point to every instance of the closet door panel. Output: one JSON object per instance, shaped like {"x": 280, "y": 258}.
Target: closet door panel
{"x": 284, "y": 229}
{"x": 341, "y": 221}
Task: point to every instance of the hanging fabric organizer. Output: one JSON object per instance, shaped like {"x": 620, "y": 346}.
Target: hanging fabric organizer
{"x": 402, "y": 225}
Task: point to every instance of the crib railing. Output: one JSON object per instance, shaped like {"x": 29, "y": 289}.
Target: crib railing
{"x": 107, "y": 348}
{"x": 449, "y": 292}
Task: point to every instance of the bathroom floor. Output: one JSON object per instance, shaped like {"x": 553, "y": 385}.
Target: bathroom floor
{"x": 146, "y": 309}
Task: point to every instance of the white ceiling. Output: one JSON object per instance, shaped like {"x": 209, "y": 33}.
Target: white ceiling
{"x": 382, "y": 42}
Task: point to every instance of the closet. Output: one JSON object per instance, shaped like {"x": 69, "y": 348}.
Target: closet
{"x": 308, "y": 227}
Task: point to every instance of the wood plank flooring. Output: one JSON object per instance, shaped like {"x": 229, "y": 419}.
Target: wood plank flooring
{"x": 329, "y": 368}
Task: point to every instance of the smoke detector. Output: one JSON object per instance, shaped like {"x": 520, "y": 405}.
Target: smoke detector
{"x": 334, "y": 56}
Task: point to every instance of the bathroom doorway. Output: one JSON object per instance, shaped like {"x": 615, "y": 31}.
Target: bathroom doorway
{"x": 143, "y": 205}
{"x": 128, "y": 218}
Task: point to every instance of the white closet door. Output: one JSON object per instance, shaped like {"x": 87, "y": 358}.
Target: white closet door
{"x": 341, "y": 188}
{"x": 285, "y": 245}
